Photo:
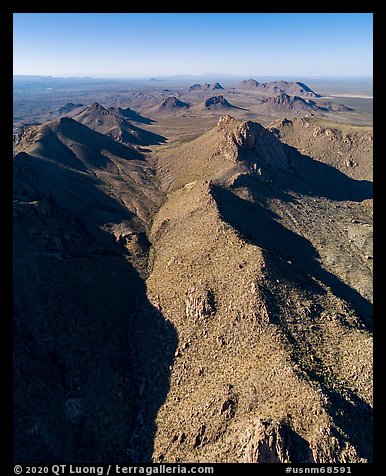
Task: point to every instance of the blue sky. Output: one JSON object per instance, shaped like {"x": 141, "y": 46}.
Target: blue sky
{"x": 156, "y": 44}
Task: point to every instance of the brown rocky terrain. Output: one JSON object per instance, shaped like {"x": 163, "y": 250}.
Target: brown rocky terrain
{"x": 171, "y": 104}
{"x": 272, "y": 88}
{"x": 117, "y": 126}
{"x": 130, "y": 114}
{"x": 347, "y": 148}
{"x": 334, "y": 107}
{"x": 283, "y": 103}
{"x": 208, "y": 299}
{"x": 277, "y": 300}
{"x": 69, "y": 107}
{"x": 215, "y": 103}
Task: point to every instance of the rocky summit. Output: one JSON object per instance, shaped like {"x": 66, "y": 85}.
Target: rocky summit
{"x": 217, "y": 102}
{"x": 172, "y": 102}
{"x": 293, "y": 88}
{"x": 205, "y": 87}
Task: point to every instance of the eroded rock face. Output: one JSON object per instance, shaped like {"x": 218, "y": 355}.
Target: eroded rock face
{"x": 217, "y": 102}
{"x": 273, "y": 442}
{"x": 251, "y": 142}
{"x": 199, "y": 303}
{"x": 205, "y": 86}
{"x": 172, "y": 102}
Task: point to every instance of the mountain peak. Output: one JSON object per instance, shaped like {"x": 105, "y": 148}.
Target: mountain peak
{"x": 171, "y": 102}
{"x": 249, "y": 84}
{"x": 95, "y": 105}
{"x": 272, "y": 87}
{"x": 225, "y": 121}
{"x": 205, "y": 87}
{"x": 217, "y": 102}
{"x": 248, "y": 141}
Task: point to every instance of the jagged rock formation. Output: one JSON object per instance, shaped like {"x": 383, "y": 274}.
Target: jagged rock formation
{"x": 293, "y": 103}
{"x": 272, "y": 88}
{"x": 347, "y": 148}
{"x": 333, "y": 106}
{"x": 171, "y": 104}
{"x": 130, "y": 114}
{"x": 24, "y": 131}
{"x": 205, "y": 87}
{"x": 283, "y": 103}
{"x": 217, "y": 103}
{"x": 69, "y": 107}
{"x": 266, "y": 441}
{"x": 248, "y": 140}
{"x": 249, "y": 84}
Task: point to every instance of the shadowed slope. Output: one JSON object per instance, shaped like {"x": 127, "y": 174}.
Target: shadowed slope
{"x": 88, "y": 344}
{"x": 272, "y": 339}
{"x": 68, "y": 141}
{"x": 131, "y": 115}
{"x": 119, "y": 128}
{"x": 262, "y": 227}
{"x": 347, "y": 148}
{"x": 129, "y": 178}
{"x": 171, "y": 104}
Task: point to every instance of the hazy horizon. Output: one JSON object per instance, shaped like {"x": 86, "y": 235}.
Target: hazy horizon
{"x": 203, "y": 75}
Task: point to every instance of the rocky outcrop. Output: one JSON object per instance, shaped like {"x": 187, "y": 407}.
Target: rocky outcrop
{"x": 334, "y": 107}
{"x": 200, "y": 304}
{"x": 267, "y": 441}
{"x": 195, "y": 87}
{"x": 347, "y": 148}
{"x": 249, "y": 84}
{"x": 25, "y": 133}
{"x": 290, "y": 101}
{"x": 205, "y": 87}
{"x": 218, "y": 102}
{"x": 279, "y": 87}
{"x": 69, "y": 107}
{"x": 251, "y": 142}
{"x": 115, "y": 123}
{"x": 172, "y": 103}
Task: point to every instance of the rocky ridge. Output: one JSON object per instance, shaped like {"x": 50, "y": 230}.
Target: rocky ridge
{"x": 291, "y": 88}
{"x": 172, "y": 103}
{"x": 117, "y": 125}
{"x": 205, "y": 87}
{"x": 217, "y": 103}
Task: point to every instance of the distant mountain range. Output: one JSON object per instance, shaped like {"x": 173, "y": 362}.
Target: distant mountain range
{"x": 278, "y": 87}
{"x": 205, "y": 87}
{"x": 284, "y": 102}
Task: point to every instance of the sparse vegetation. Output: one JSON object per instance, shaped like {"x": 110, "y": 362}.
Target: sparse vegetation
{"x": 197, "y": 284}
